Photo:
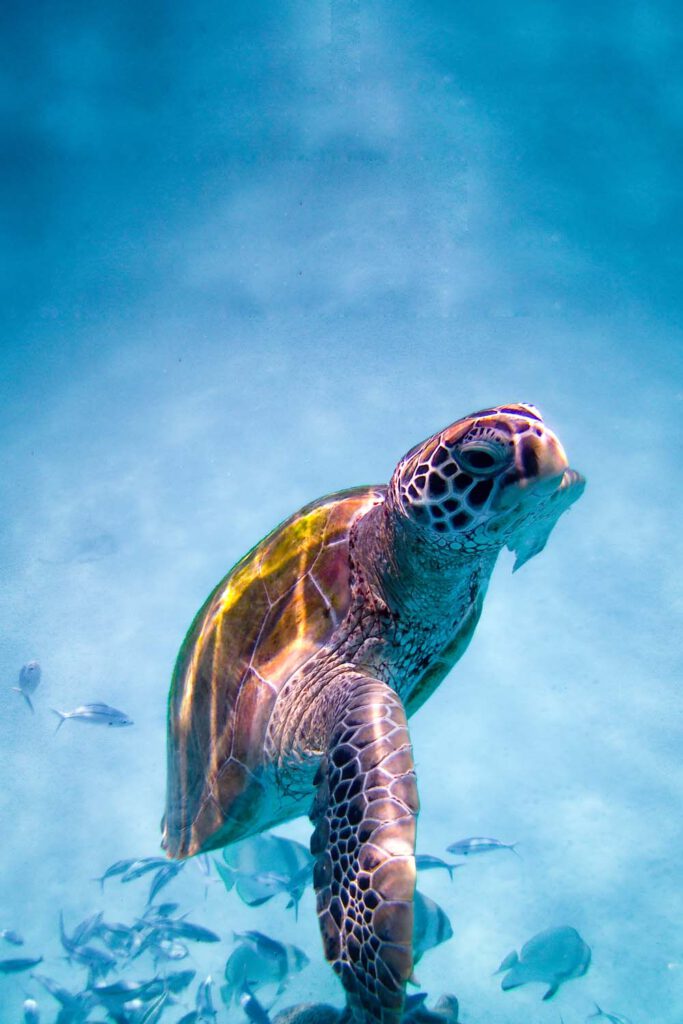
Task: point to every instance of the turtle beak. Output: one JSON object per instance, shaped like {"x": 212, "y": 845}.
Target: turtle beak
{"x": 546, "y": 484}
{"x": 572, "y": 483}
{"x": 555, "y": 493}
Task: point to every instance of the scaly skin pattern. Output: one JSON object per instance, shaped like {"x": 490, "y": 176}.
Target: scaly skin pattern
{"x": 364, "y": 814}
{"x": 301, "y": 669}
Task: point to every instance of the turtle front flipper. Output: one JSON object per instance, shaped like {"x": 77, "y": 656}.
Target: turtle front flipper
{"x": 364, "y": 814}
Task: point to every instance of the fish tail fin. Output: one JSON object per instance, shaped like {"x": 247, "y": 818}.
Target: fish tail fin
{"x": 598, "y": 1012}
{"x": 449, "y": 869}
{"x": 62, "y": 718}
{"x": 551, "y": 992}
{"x": 513, "y": 848}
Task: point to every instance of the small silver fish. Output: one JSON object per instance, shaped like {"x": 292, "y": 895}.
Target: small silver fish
{"x": 96, "y": 960}
{"x": 204, "y": 1001}
{"x": 425, "y": 862}
{"x": 31, "y": 1012}
{"x": 97, "y": 714}
{"x": 15, "y": 966}
{"x": 87, "y": 929}
{"x": 187, "y": 930}
{"x": 163, "y": 876}
{"x": 431, "y": 925}
{"x": 14, "y": 938}
{"x": 553, "y": 956}
{"x": 613, "y": 1018}
{"x": 119, "y": 867}
{"x": 140, "y": 867}
{"x": 479, "y": 844}
{"x": 161, "y": 910}
{"x": 29, "y": 678}
{"x": 114, "y": 997}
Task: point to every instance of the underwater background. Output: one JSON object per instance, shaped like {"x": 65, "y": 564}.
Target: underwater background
{"x": 254, "y": 252}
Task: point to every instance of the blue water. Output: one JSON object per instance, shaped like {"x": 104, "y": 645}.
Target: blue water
{"x": 254, "y": 252}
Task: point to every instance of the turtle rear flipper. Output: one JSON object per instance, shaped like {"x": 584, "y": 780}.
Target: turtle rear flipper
{"x": 364, "y": 814}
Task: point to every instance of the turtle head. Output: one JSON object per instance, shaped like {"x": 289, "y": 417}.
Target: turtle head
{"x": 497, "y": 478}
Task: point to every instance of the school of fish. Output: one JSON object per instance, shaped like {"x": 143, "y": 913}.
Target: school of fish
{"x": 107, "y": 958}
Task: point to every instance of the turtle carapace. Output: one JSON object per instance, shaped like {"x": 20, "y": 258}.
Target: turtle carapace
{"x": 296, "y": 678}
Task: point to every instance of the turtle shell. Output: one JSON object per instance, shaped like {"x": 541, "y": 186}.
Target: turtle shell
{"x": 278, "y": 606}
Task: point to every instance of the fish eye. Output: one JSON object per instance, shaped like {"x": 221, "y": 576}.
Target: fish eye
{"x": 481, "y": 459}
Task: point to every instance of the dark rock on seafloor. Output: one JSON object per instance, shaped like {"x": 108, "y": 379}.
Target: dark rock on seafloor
{"x": 309, "y": 1013}
{"x": 445, "y": 1011}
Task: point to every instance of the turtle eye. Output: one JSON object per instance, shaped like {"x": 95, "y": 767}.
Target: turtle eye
{"x": 481, "y": 459}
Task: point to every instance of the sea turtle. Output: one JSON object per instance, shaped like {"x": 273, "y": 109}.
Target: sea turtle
{"x": 299, "y": 673}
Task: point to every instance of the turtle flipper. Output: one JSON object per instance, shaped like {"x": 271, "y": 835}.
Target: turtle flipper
{"x": 364, "y": 814}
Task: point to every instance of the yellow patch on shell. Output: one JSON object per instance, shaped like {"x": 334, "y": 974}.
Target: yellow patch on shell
{"x": 270, "y": 614}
